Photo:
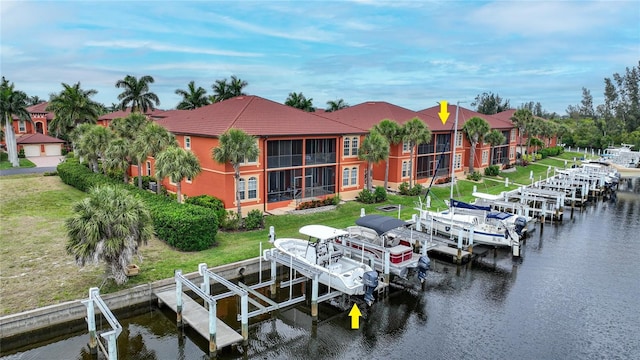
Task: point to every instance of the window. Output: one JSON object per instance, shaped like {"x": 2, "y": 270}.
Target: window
{"x": 22, "y": 127}
{"x": 405, "y": 146}
{"x": 350, "y": 177}
{"x": 148, "y": 168}
{"x": 485, "y": 156}
{"x": 457, "y": 164}
{"x": 188, "y": 180}
{"x": 513, "y": 134}
{"x": 345, "y": 177}
{"x": 253, "y": 188}
{"x": 354, "y": 146}
{"x": 347, "y": 146}
{"x": 284, "y": 153}
{"x": 250, "y": 161}
{"x": 187, "y": 142}
{"x": 405, "y": 169}
{"x": 459, "y": 139}
{"x": 512, "y": 153}
{"x": 354, "y": 176}
{"x": 241, "y": 187}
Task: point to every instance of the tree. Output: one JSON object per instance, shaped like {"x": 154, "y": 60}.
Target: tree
{"x": 151, "y": 140}
{"x": 118, "y": 156}
{"x": 35, "y": 100}
{"x": 192, "y": 98}
{"x": 93, "y": 143}
{"x": 489, "y": 104}
{"x": 548, "y": 130}
{"x": 299, "y": 101}
{"x": 374, "y": 148}
{"x": 234, "y": 147}
{"x": 522, "y": 119}
{"x": 72, "y": 106}
{"x": 392, "y": 132}
{"x": 110, "y": 225}
{"x": 416, "y": 132}
{"x": 475, "y": 129}
{"x": 224, "y": 89}
{"x": 136, "y": 93}
{"x": 335, "y": 105}
{"x": 586, "y": 105}
{"x": 177, "y": 163}
{"x": 12, "y": 102}
{"x": 494, "y": 138}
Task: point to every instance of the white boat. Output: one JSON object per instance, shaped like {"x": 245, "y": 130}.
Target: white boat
{"x": 335, "y": 271}
{"x": 449, "y": 223}
{"x": 520, "y": 223}
{"x": 375, "y": 236}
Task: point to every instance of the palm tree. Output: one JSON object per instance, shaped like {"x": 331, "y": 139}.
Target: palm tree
{"x": 391, "y": 131}
{"x": 72, "y": 106}
{"x": 118, "y": 156}
{"x": 548, "y": 130}
{"x": 475, "y": 129}
{"x": 35, "y": 100}
{"x": 299, "y": 101}
{"x": 128, "y": 129}
{"x": 416, "y": 132}
{"x": 335, "y": 105}
{"x": 224, "y": 90}
{"x": 108, "y": 226}
{"x": 494, "y": 138}
{"x": 93, "y": 143}
{"x": 374, "y": 149}
{"x": 192, "y": 98}
{"x": 234, "y": 147}
{"x": 522, "y": 119}
{"x": 151, "y": 140}
{"x": 136, "y": 94}
{"x": 12, "y": 102}
{"x": 177, "y": 163}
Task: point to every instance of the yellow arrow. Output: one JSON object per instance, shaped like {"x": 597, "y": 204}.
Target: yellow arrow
{"x": 444, "y": 114}
{"x": 355, "y": 317}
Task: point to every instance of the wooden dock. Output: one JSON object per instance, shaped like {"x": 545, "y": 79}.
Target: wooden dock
{"x": 196, "y": 316}
{"x": 451, "y": 251}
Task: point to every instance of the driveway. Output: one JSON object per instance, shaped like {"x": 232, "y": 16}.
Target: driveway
{"x": 43, "y": 164}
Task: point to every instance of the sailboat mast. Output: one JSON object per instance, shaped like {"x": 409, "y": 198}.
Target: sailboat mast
{"x": 453, "y": 150}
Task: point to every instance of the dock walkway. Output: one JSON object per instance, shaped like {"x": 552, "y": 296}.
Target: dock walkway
{"x": 196, "y": 316}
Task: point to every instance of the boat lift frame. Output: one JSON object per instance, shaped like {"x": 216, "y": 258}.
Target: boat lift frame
{"x": 111, "y": 336}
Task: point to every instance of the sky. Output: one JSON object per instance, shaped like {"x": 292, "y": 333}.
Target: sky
{"x": 408, "y": 53}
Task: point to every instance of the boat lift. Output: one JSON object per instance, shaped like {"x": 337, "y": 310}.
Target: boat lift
{"x": 111, "y": 336}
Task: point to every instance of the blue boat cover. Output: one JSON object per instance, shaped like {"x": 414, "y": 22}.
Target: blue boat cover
{"x": 381, "y": 224}
{"x": 464, "y": 205}
{"x": 499, "y": 215}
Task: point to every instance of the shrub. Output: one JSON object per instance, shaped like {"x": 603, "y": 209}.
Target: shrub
{"x": 380, "y": 194}
{"x": 404, "y": 188}
{"x": 492, "y": 170}
{"x": 231, "y": 221}
{"x": 210, "y": 202}
{"x": 416, "y": 190}
{"x": 145, "y": 181}
{"x": 21, "y": 153}
{"x": 4, "y": 156}
{"x": 254, "y": 220}
{"x": 475, "y": 176}
{"x": 184, "y": 226}
{"x": 50, "y": 173}
{"x": 366, "y": 197}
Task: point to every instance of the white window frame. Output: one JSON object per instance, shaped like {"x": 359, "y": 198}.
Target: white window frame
{"x": 252, "y": 186}
{"x": 405, "y": 169}
{"x": 354, "y": 176}
{"x": 459, "y": 139}
{"x": 345, "y": 177}
{"x": 354, "y": 146}
{"x": 485, "y": 156}
{"x": 246, "y": 161}
{"x": 22, "y": 126}
{"x": 187, "y": 142}
{"x": 346, "y": 147}
{"x": 148, "y": 168}
{"x": 513, "y": 134}
{"x": 512, "y": 153}
{"x": 406, "y": 147}
{"x": 188, "y": 180}
{"x": 242, "y": 188}
{"x": 457, "y": 163}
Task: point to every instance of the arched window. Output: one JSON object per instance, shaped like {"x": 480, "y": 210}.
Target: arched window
{"x": 241, "y": 188}
{"x": 354, "y": 176}
{"x": 345, "y": 177}
{"x": 253, "y": 188}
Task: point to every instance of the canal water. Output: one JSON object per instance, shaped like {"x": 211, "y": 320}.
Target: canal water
{"x": 575, "y": 294}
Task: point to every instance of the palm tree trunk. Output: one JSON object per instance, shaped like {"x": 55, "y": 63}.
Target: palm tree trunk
{"x": 238, "y": 205}
{"x": 386, "y": 175}
{"x": 411, "y": 167}
{"x": 179, "y": 191}
{"x": 370, "y": 176}
{"x": 12, "y": 146}
{"x": 472, "y": 158}
{"x": 139, "y": 175}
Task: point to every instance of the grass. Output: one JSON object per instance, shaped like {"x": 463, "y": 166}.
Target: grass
{"x": 24, "y": 163}
{"x": 36, "y": 271}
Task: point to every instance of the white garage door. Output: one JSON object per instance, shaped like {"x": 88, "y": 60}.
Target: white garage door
{"x": 31, "y": 150}
{"x": 52, "y": 149}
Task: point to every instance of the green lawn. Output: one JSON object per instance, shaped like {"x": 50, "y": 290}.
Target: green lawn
{"x": 24, "y": 163}
{"x": 33, "y": 259}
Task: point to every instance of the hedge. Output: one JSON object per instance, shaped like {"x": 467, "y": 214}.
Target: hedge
{"x": 183, "y": 226}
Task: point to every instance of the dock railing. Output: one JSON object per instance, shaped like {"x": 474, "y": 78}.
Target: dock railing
{"x": 111, "y": 352}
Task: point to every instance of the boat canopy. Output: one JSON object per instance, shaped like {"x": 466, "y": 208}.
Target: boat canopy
{"x": 464, "y": 205}
{"x": 380, "y": 223}
{"x": 499, "y": 215}
{"x": 322, "y": 232}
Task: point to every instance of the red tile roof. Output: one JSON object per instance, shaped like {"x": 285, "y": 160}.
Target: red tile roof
{"x": 365, "y": 115}
{"x": 256, "y": 116}
{"x": 125, "y": 113}
{"x": 37, "y": 138}
{"x": 464, "y": 115}
{"x": 39, "y": 109}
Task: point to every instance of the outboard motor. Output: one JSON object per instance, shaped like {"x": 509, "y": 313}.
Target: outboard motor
{"x": 521, "y": 223}
{"x": 370, "y": 281}
{"x": 424, "y": 263}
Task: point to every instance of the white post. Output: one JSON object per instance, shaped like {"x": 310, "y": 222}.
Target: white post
{"x": 244, "y": 310}
{"x": 428, "y": 201}
{"x": 178, "y": 298}
{"x": 362, "y": 212}
{"x": 506, "y": 182}
{"x": 213, "y": 327}
{"x": 453, "y": 149}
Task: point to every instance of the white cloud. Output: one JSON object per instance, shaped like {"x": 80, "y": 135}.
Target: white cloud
{"x": 151, "y": 45}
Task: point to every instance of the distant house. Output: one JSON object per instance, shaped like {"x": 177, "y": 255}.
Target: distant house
{"x": 105, "y": 120}
{"x": 33, "y": 136}
{"x": 40, "y": 145}
{"x": 522, "y": 138}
